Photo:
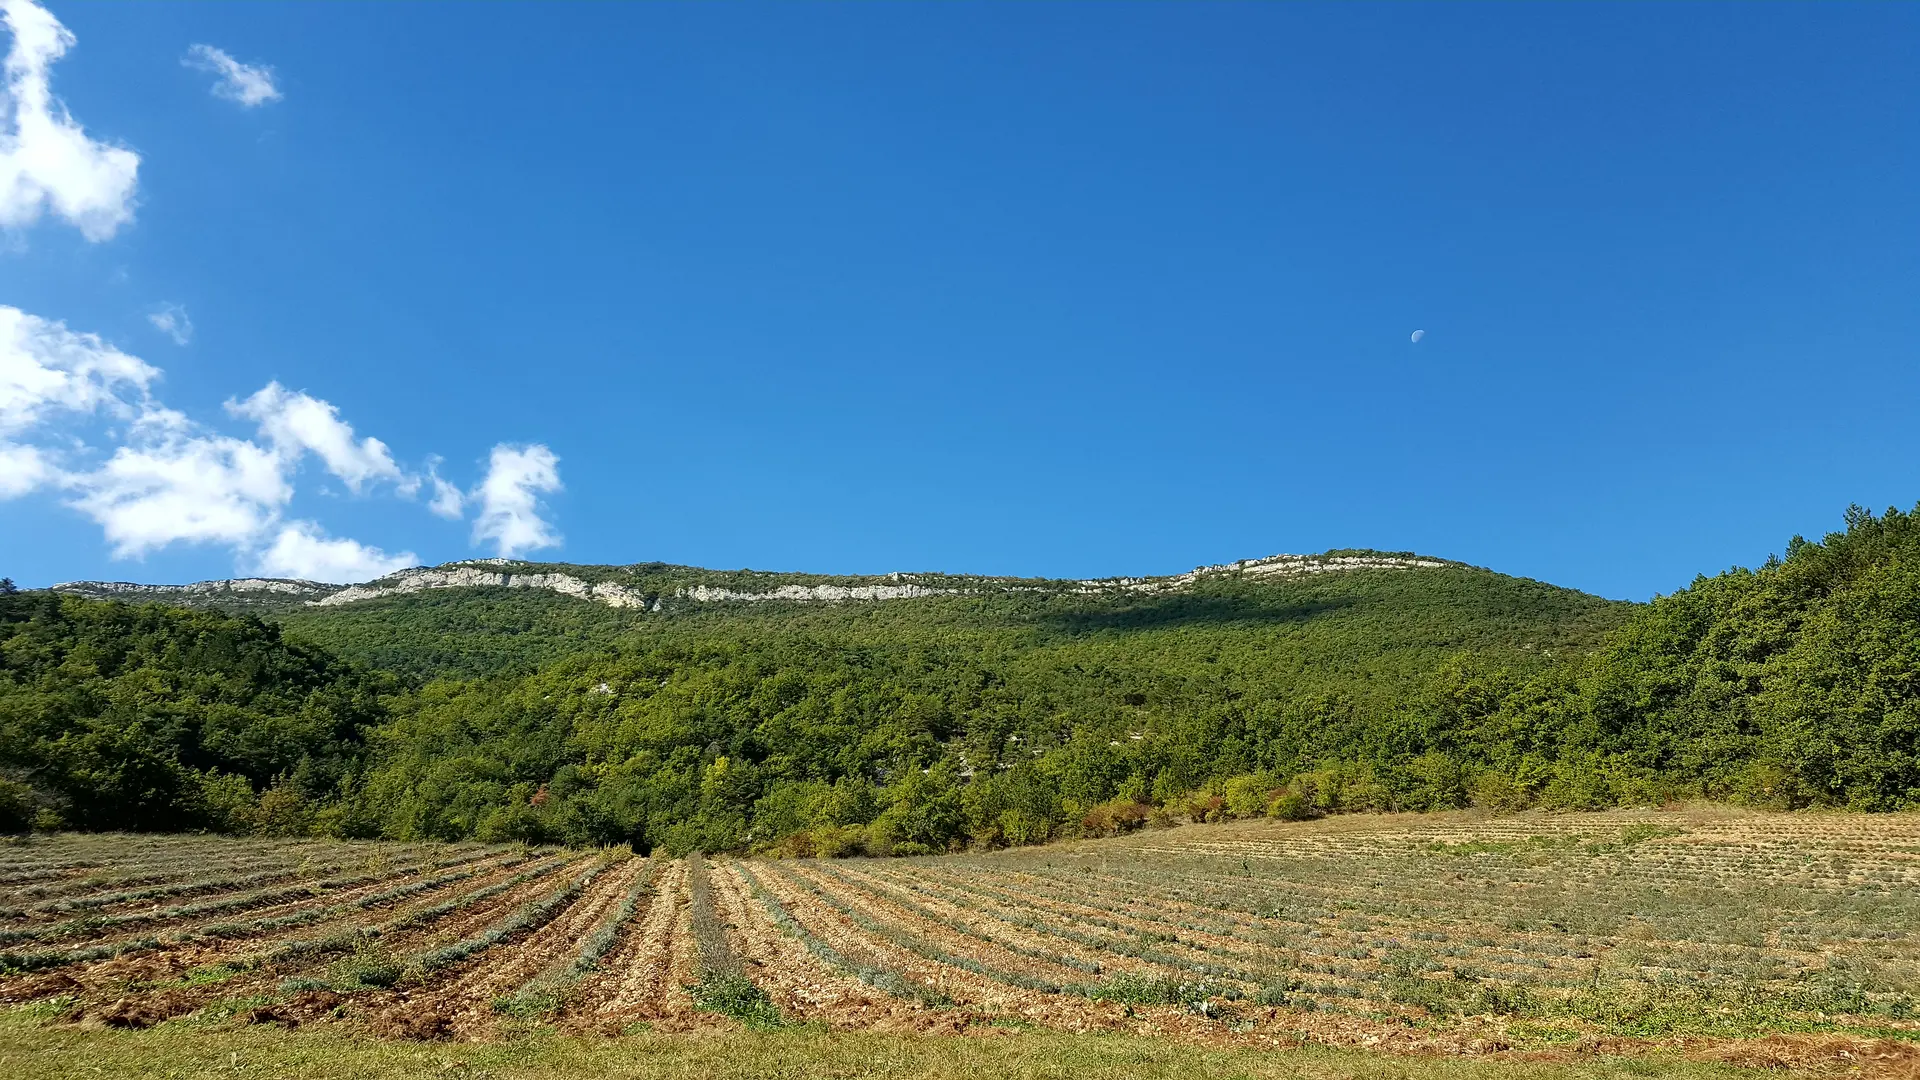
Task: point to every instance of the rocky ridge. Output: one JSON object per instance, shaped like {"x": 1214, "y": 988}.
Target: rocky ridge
{"x": 495, "y": 573}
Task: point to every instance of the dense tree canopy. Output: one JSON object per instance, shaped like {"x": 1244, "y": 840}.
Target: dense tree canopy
{"x": 991, "y": 719}
{"x": 122, "y": 717}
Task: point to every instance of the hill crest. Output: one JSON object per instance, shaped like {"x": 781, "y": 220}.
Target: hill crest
{"x": 646, "y": 585}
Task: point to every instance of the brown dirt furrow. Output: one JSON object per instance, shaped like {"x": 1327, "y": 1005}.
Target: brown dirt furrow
{"x": 458, "y": 925}
{"x": 846, "y": 937}
{"x": 157, "y": 910}
{"x": 109, "y": 979}
{"x": 954, "y": 928}
{"x": 460, "y": 1000}
{"x": 1199, "y": 946}
{"x": 644, "y": 979}
{"x": 182, "y": 933}
{"x": 91, "y": 980}
{"x": 1407, "y": 927}
{"x": 640, "y": 951}
{"x": 979, "y": 993}
{"x": 489, "y": 868}
{"x": 277, "y": 901}
{"x": 79, "y": 897}
{"x": 799, "y": 983}
{"x": 1262, "y": 1026}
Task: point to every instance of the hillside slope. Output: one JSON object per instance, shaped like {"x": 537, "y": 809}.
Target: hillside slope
{"x": 686, "y": 707}
{"x": 1342, "y": 611}
{"x": 695, "y": 710}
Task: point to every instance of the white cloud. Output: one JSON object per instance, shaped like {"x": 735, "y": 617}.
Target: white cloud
{"x": 158, "y": 478}
{"x": 295, "y": 422}
{"x": 304, "y": 550}
{"x": 509, "y": 499}
{"x": 248, "y": 84}
{"x": 46, "y": 158}
{"x": 448, "y": 501}
{"x": 176, "y": 484}
{"x": 46, "y": 368}
{"x": 171, "y": 320}
{"x": 22, "y": 469}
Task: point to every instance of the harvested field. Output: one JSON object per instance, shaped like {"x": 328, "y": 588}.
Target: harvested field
{"x": 1786, "y": 939}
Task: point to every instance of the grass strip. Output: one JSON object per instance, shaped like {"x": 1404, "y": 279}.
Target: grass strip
{"x": 723, "y": 985}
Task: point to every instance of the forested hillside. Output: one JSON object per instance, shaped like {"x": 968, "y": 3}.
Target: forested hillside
{"x": 121, "y": 717}
{"x": 980, "y": 718}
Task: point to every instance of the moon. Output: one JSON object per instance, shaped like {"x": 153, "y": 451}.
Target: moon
{"x": 1417, "y": 335}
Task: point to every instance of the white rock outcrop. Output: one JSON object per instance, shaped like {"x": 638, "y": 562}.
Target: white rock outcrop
{"x": 1275, "y": 566}
{"x": 230, "y": 587}
{"x": 827, "y": 593}
{"x": 478, "y": 573}
{"x": 469, "y": 576}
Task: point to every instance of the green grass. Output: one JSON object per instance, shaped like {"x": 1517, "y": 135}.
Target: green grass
{"x": 185, "y": 1051}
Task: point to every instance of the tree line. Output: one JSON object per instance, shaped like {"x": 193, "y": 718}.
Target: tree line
{"x": 926, "y": 726}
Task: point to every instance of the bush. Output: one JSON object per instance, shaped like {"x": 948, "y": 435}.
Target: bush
{"x": 283, "y": 811}
{"x": 733, "y": 994}
{"x": 1290, "y": 804}
{"x": 1022, "y": 827}
{"x": 227, "y": 803}
{"x": 370, "y": 967}
{"x": 514, "y": 823}
{"x": 838, "y": 841}
{"x": 1249, "y": 796}
{"x": 1117, "y": 816}
{"x": 1203, "y": 807}
{"x": 1500, "y": 792}
{"x": 16, "y": 807}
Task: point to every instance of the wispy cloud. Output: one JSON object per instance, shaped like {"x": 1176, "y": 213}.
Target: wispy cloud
{"x": 447, "y": 501}
{"x": 78, "y": 416}
{"x": 22, "y": 469}
{"x": 47, "y": 161}
{"x": 295, "y": 422}
{"x": 175, "y": 482}
{"x": 510, "y": 510}
{"x": 303, "y": 550}
{"x": 46, "y": 369}
{"x": 250, "y": 85}
{"x": 171, "y": 320}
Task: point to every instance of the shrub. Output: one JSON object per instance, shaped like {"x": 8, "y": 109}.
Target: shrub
{"x": 1290, "y": 804}
{"x": 369, "y": 967}
{"x": 838, "y": 841}
{"x": 283, "y": 811}
{"x": 1248, "y": 796}
{"x": 1500, "y": 792}
{"x": 1117, "y": 816}
{"x": 1021, "y": 827}
{"x": 513, "y": 823}
{"x": 1203, "y": 807}
{"x": 733, "y": 994}
{"x": 16, "y": 807}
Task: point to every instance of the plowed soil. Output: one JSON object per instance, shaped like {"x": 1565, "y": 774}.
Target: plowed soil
{"x": 1788, "y": 941}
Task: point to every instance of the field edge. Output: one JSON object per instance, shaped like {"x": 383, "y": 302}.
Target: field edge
{"x": 29, "y": 1046}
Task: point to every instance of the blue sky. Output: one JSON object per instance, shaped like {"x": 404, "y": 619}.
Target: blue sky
{"x": 1063, "y": 290}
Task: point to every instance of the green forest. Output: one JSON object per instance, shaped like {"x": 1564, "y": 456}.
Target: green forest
{"x": 997, "y": 718}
